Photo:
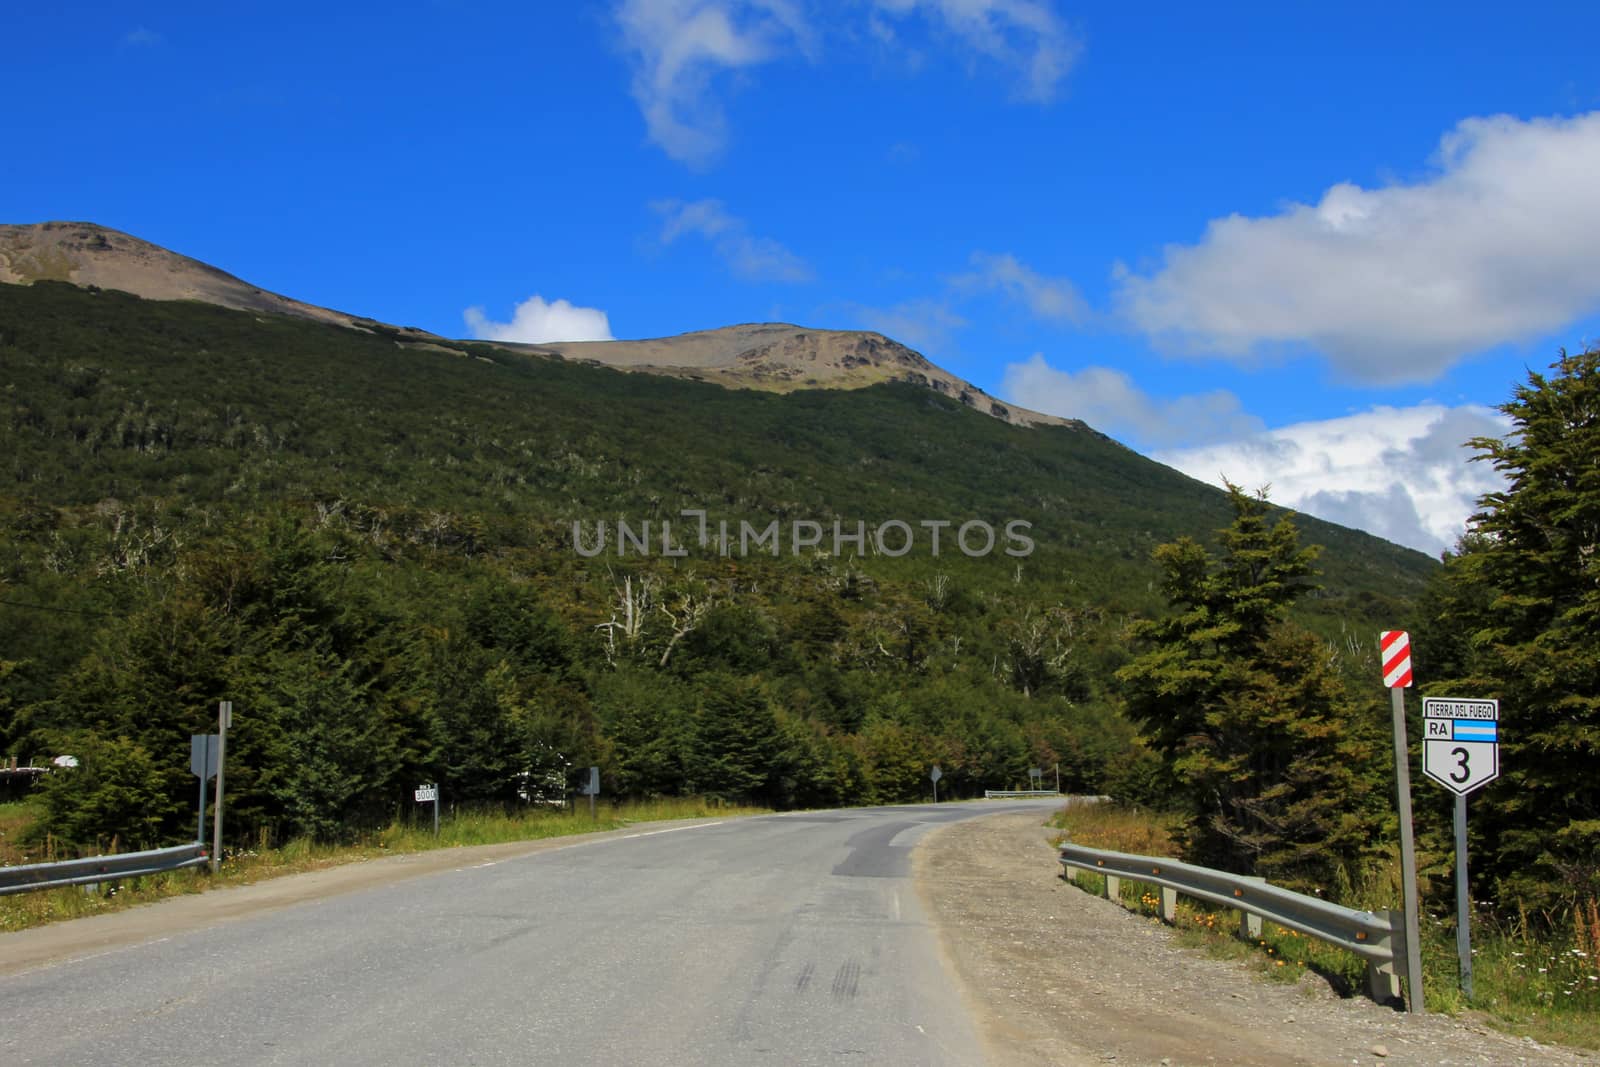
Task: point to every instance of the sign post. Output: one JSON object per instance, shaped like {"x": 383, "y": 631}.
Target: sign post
{"x": 1394, "y": 652}
{"x": 1461, "y": 751}
{"x": 934, "y": 776}
{"x": 203, "y": 765}
{"x": 224, "y": 720}
{"x": 1034, "y": 775}
{"x": 591, "y": 789}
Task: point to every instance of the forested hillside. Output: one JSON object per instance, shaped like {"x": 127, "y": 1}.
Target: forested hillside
{"x": 368, "y": 547}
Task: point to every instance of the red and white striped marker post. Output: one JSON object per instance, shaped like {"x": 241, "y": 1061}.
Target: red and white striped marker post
{"x": 1394, "y": 653}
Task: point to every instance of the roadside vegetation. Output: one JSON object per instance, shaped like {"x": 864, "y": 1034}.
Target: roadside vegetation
{"x": 247, "y": 865}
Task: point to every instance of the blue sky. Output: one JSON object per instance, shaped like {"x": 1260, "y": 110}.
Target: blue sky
{"x": 1284, "y": 243}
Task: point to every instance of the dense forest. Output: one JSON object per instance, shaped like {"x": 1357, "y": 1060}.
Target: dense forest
{"x": 369, "y": 547}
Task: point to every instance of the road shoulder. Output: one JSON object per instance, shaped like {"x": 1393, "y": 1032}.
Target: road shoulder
{"x": 1055, "y": 976}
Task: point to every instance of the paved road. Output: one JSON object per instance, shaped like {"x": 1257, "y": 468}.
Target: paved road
{"x": 786, "y": 939}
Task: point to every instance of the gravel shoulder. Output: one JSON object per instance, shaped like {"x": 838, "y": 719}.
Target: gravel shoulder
{"x": 1056, "y": 976}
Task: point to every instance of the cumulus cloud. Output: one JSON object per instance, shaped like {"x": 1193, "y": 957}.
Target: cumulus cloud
{"x": 757, "y": 259}
{"x": 1047, "y": 298}
{"x": 1019, "y": 35}
{"x": 1109, "y": 401}
{"x": 1397, "y": 283}
{"x": 679, "y": 47}
{"x": 1400, "y": 473}
{"x": 534, "y": 322}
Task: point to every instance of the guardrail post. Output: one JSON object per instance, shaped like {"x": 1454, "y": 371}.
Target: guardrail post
{"x": 1113, "y": 889}
{"x": 1383, "y": 981}
{"x": 1169, "y": 905}
{"x": 1249, "y": 924}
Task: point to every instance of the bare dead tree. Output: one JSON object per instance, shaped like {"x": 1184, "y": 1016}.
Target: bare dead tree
{"x": 689, "y": 611}
{"x": 633, "y": 602}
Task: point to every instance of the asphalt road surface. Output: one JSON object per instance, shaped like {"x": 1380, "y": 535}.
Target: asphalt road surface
{"x": 785, "y": 939}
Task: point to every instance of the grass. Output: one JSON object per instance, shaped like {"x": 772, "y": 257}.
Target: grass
{"x": 15, "y": 816}
{"x": 244, "y": 866}
{"x": 1528, "y": 980}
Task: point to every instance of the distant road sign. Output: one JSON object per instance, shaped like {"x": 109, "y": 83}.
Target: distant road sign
{"x": 203, "y": 751}
{"x": 1461, "y": 742}
{"x": 426, "y": 794}
{"x": 936, "y": 773}
{"x": 1394, "y": 652}
{"x": 591, "y": 785}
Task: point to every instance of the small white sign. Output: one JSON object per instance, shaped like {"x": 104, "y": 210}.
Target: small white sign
{"x": 427, "y": 794}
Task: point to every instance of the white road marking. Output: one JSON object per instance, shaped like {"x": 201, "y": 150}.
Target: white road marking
{"x": 46, "y": 965}
{"x": 673, "y": 829}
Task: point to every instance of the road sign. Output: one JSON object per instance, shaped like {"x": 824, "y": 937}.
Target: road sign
{"x": 1394, "y": 652}
{"x": 1460, "y": 742}
{"x": 936, "y": 773}
{"x": 591, "y": 784}
{"x": 427, "y": 794}
{"x": 203, "y": 756}
{"x": 204, "y": 752}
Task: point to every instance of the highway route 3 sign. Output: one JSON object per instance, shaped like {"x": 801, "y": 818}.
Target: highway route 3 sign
{"x": 1460, "y": 742}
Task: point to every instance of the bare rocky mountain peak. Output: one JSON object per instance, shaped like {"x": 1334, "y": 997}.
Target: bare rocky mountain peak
{"x": 770, "y": 356}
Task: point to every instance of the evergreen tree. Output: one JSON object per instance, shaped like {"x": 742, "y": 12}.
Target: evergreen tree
{"x": 1517, "y": 616}
{"x": 1259, "y": 741}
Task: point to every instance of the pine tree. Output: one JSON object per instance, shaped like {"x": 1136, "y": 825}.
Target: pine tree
{"x": 1520, "y": 620}
{"x": 1259, "y": 741}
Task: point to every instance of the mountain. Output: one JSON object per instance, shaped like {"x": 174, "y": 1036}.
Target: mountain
{"x": 95, "y": 256}
{"x": 767, "y": 356}
{"x": 370, "y": 543}
{"x": 782, "y": 357}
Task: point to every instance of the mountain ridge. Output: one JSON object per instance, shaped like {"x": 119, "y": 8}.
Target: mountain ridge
{"x": 770, "y": 357}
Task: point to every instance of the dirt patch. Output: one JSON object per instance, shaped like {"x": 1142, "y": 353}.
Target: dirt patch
{"x": 1057, "y": 977}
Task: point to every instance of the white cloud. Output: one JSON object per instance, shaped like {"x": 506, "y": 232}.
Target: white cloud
{"x": 1020, "y": 35}
{"x": 141, "y": 37}
{"x": 679, "y": 47}
{"x": 922, "y": 324}
{"x": 1109, "y": 401}
{"x": 1047, "y": 298}
{"x": 1400, "y": 473}
{"x": 1397, "y": 283}
{"x": 535, "y": 322}
{"x": 757, "y": 259}
{"x": 684, "y": 51}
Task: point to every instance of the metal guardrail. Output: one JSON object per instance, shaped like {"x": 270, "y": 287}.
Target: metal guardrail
{"x": 28, "y": 877}
{"x": 992, "y": 794}
{"x": 1377, "y": 937}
